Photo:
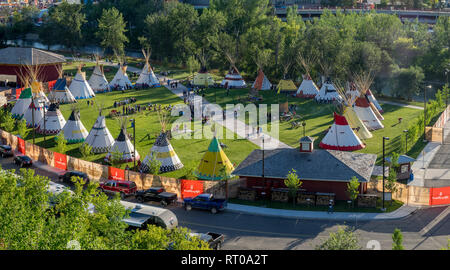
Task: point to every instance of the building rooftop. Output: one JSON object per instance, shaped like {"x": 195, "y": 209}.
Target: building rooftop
{"x": 28, "y": 56}
{"x": 320, "y": 165}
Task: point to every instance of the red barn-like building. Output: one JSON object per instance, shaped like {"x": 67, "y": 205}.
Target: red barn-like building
{"x": 12, "y": 61}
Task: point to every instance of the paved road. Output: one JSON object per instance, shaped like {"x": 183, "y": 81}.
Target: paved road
{"x": 425, "y": 229}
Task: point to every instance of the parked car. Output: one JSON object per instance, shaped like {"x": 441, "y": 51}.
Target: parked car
{"x": 124, "y": 188}
{"x": 23, "y": 161}
{"x": 157, "y": 194}
{"x": 143, "y": 215}
{"x": 205, "y": 201}
{"x": 6, "y": 151}
{"x": 67, "y": 177}
{"x": 215, "y": 240}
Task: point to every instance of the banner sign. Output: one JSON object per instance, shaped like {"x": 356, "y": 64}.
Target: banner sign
{"x": 51, "y": 84}
{"x": 440, "y": 196}
{"x": 60, "y": 161}
{"x": 115, "y": 173}
{"x": 21, "y": 145}
{"x": 191, "y": 188}
{"x": 18, "y": 92}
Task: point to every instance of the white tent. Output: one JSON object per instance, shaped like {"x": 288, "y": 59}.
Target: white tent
{"x": 147, "y": 77}
{"x": 121, "y": 79}
{"x": 163, "y": 151}
{"x": 22, "y": 104}
{"x": 123, "y": 145}
{"x": 341, "y": 136}
{"x": 307, "y": 89}
{"x": 351, "y": 91}
{"x": 233, "y": 79}
{"x": 79, "y": 87}
{"x": 98, "y": 81}
{"x": 365, "y": 113}
{"x": 261, "y": 82}
{"x": 374, "y": 100}
{"x": 54, "y": 121}
{"x": 328, "y": 93}
{"x": 99, "y": 137}
{"x": 61, "y": 92}
{"x": 37, "y": 108}
{"x": 74, "y": 130}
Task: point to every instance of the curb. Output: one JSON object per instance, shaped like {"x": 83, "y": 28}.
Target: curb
{"x": 323, "y": 216}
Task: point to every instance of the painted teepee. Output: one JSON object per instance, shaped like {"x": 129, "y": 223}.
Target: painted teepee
{"x": 372, "y": 99}
{"x": 54, "y": 121}
{"x": 307, "y": 89}
{"x": 121, "y": 79}
{"x": 123, "y": 146}
{"x": 99, "y": 138}
{"x": 35, "y": 112}
{"x": 353, "y": 120}
{"x": 22, "y": 104}
{"x": 61, "y": 92}
{"x": 341, "y": 136}
{"x": 74, "y": 130}
{"x": 162, "y": 150}
{"x": 233, "y": 79}
{"x": 98, "y": 81}
{"x": 327, "y": 92}
{"x": 214, "y": 162}
{"x": 147, "y": 78}
{"x": 79, "y": 87}
{"x": 362, "y": 104}
{"x": 261, "y": 82}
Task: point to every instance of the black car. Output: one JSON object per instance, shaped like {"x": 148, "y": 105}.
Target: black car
{"x": 157, "y": 194}
{"x": 23, "y": 161}
{"x": 6, "y": 151}
{"x": 67, "y": 177}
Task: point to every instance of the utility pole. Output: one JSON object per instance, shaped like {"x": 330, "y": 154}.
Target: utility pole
{"x": 32, "y": 116}
{"x": 134, "y": 141}
{"x": 384, "y": 138}
{"x": 45, "y": 120}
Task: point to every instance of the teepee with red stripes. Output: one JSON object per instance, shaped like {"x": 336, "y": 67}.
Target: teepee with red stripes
{"x": 362, "y": 107}
{"x": 340, "y": 136}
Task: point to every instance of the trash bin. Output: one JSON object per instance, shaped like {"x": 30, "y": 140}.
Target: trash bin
{"x": 411, "y": 177}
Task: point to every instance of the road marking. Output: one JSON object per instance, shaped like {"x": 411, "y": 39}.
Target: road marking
{"x": 249, "y": 231}
{"x": 425, "y": 230}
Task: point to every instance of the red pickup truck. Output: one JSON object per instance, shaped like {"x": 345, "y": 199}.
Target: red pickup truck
{"x": 124, "y": 188}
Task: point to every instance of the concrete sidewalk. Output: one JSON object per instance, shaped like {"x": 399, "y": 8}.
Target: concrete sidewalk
{"x": 402, "y": 212}
{"x": 400, "y": 104}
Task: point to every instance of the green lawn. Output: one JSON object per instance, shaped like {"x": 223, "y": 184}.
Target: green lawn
{"x": 340, "y": 206}
{"x": 189, "y": 151}
{"x": 319, "y": 117}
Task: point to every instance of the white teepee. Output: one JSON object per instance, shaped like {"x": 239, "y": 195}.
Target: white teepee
{"x": 79, "y": 87}
{"x": 37, "y": 108}
{"x": 54, "y": 121}
{"x": 61, "y": 92}
{"x": 147, "y": 77}
{"x": 362, "y": 105}
{"x": 98, "y": 81}
{"x": 327, "y": 92}
{"x": 99, "y": 137}
{"x": 341, "y": 136}
{"x": 74, "y": 130}
{"x": 123, "y": 145}
{"x": 22, "y": 104}
{"x": 163, "y": 151}
{"x": 374, "y": 100}
{"x": 233, "y": 79}
{"x": 307, "y": 89}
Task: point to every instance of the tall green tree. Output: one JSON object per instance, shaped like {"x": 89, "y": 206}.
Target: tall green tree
{"x": 66, "y": 20}
{"x": 111, "y": 31}
{"x": 353, "y": 189}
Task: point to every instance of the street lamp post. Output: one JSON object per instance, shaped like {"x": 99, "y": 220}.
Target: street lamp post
{"x": 133, "y": 123}
{"x": 406, "y": 140}
{"x": 304, "y": 128}
{"x": 263, "y": 176}
{"x": 384, "y": 139}
{"x": 425, "y": 110}
{"x": 45, "y": 120}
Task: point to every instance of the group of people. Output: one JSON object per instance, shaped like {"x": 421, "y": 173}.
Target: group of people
{"x": 124, "y": 102}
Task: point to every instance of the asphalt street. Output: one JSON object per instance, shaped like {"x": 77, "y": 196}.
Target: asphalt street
{"x": 427, "y": 228}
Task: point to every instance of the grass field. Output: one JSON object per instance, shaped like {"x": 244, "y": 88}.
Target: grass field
{"x": 319, "y": 117}
{"x": 189, "y": 151}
